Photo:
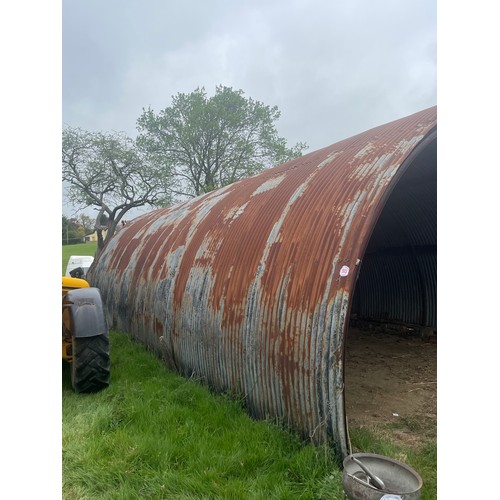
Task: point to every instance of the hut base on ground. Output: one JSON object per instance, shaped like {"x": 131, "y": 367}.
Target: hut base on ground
{"x": 391, "y": 385}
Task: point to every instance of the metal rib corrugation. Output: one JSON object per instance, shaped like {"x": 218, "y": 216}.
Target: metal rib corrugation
{"x": 242, "y": 286}
{"x": 394, "y": 288}
{"x": 398, "y": 278}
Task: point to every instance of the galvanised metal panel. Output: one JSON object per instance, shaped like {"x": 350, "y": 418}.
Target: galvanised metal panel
{"x": 249, "y": 287}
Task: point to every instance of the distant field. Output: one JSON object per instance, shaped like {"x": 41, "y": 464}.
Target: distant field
{"x": 80, "y": 249}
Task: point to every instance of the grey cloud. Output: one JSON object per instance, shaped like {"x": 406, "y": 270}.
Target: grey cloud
{"x": 333, "y": 68}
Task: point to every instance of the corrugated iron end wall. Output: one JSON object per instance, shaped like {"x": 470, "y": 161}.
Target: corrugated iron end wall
{"x": 250, "y": 287}
{"x": 398, "y": 278}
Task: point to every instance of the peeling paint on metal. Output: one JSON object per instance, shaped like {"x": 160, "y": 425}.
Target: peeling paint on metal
{"x": 270, "y": 184}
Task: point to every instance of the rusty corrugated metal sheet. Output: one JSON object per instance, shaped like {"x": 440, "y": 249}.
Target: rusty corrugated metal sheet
{"x": 245, "y": 286}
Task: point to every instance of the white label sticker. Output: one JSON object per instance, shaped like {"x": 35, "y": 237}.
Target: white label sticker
{"x": 344, "y": 271}
{"x": 391, "y": 497}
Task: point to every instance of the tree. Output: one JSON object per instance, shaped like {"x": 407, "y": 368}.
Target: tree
{"x": 72, "y": 231}
{"x": 110, "y": 173}
{"x": 210, "y": 142}
{"x": 87, "y": 223}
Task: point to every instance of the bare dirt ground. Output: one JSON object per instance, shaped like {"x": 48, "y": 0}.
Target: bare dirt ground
{"x": 391, "y": 378}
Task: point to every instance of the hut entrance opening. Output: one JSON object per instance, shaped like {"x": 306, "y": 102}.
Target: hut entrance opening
{"x": 390, "y": 356}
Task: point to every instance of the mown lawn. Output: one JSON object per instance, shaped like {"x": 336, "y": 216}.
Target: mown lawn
{"x": 79, "y": 249}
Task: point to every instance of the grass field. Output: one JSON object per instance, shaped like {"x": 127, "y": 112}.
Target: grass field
{"x": 152, "y": 434}
{"x": 79, "y": 249}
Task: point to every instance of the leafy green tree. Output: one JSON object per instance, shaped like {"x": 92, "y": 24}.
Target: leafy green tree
{"x": 110, "y": 173}
{"x": 210, "y": 142}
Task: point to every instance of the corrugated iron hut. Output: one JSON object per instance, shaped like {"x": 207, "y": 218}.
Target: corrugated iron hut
{"x": 251, "y": 287}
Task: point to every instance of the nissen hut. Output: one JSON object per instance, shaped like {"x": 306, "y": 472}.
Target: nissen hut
{"x": 251, "y": 287}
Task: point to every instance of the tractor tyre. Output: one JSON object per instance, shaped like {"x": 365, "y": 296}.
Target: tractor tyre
{"x": 90, "y": 367}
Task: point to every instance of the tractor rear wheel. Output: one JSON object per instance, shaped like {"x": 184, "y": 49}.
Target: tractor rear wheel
{"x": 90, "y": 370}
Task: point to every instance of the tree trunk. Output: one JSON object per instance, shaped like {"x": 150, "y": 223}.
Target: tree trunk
{"x": 100, "y": 241}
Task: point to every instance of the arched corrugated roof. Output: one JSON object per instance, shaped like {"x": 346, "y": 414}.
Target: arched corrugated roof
{"x": 249, "y": 287}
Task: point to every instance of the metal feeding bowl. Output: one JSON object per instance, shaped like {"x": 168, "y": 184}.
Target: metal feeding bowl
{"x": 368, "y": 476}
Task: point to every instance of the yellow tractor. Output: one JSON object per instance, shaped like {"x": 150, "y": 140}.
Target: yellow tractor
{"x": 85, "y": 336}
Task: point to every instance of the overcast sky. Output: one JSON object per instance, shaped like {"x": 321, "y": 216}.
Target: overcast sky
{"x": 334, "y": 69}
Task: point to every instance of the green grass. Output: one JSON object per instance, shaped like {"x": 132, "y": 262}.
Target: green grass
{"x": 79, "y": 249}
{"x": 153, "y": 434}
